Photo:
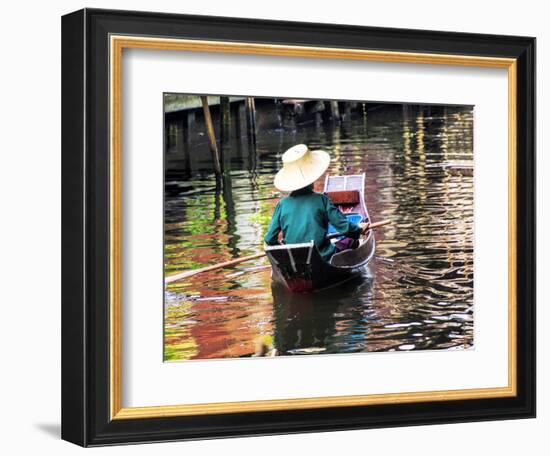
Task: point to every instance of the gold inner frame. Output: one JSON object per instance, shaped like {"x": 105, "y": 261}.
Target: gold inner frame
{"x": 117, "y": 44}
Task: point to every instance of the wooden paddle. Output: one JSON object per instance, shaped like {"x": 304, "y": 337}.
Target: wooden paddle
{"x": 186, "y": 274}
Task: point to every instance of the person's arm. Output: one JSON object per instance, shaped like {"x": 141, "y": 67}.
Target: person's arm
{"x": 340, "y": 222}
{"x": 272, "y": 235}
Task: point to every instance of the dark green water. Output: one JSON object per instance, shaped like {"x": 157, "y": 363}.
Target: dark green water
{"x": 417, "y": 293}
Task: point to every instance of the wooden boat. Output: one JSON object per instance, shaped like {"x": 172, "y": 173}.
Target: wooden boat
{"x": 300, "y": 267}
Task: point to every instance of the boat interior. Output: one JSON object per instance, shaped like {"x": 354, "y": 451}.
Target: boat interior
{"x": 347, "y": 194}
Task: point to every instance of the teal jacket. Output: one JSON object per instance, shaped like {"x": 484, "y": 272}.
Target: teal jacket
{"x": 304, "y": 216}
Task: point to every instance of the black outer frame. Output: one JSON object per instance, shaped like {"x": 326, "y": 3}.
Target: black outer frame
{"x": 85, "y": 227}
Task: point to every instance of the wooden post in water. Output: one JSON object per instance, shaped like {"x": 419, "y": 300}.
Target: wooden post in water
{"x": 225, "y": 120}
{"x": 251, "y": 132}
{"x": 241, "y": 119}
{"x": 318, "y": 119}
{"x": 251, "y": 118}
{"x": 225, "y": 130}
{"x": 167, "y": 127}
{"x": 347, "y": 110}
{"x": 211, "y": 136}
{"x": 253, "y": 102}
{"x": 191, "y": 121}
{"x": 335, "y": 111}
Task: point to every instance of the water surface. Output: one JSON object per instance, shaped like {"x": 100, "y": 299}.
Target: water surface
{"x": 416, "y": 294}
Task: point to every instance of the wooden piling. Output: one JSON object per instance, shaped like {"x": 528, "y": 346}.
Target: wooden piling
{"x": 225, "y": 120}
{"x": 182, "y": 131}
{"x": 288, "y": 115}
{"x": 190, "y": 125}
{"x": 318, "y": 119}
{"x": 347, "y": 110}
{"x": 167, "y": 128}
{"x": 191, "y": 121}
{"x": 335, "y": 111}
{"x": 241, "y": 119}
{"x": 251, "y": 132}
{"x": 211, "y": 136}
{"x": 251, "y": 118}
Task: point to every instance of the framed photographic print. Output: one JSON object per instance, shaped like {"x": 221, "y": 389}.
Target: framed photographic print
{"x": 277, "y": 227}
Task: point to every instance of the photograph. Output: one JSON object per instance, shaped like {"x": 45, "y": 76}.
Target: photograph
{"x": 293, "y": 224}
{"x": 297, "y": 226}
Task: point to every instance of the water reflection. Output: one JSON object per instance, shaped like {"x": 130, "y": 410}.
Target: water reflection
{"x": 417, "y": 293}
{"x": 323, "y": 322}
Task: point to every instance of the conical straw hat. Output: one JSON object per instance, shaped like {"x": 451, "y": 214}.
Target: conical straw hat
{"x": 301, "y": 167}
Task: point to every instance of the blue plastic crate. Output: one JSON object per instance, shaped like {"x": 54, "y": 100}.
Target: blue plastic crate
{"x": 353, "y": 217}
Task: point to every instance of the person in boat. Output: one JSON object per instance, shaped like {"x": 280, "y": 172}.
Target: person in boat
{"x": 304, "y": 215}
